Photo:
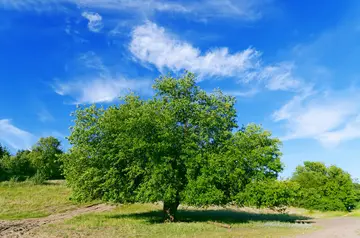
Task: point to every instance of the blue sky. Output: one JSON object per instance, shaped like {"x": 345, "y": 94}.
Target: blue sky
{"x": 293, "y": 65}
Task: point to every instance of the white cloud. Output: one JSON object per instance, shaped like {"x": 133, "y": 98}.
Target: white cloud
{"x": 239, "y": 93}
{"x": 327, "y": 117}
{"x": 96, "y": 90}
{"x": 15, "y": 137}
{"x": 95, "y": 21}
{"x": 349, "y": 132}
{"x": 95, "y": 83}
{"x": 151, "y": 44}
{"x": 280, "y": 77}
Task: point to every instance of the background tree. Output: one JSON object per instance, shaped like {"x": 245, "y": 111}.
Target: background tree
{"x": 274, "y": 194}
{"x": 178, "y": 146}
{"x": 18, "y": 166}
{"x": 324, "y": 188}
{"x": 4, "y": 154}
{"x": 44, "y": 158}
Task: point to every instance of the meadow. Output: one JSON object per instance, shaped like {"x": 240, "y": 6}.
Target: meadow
{"x": 28, "y": 202}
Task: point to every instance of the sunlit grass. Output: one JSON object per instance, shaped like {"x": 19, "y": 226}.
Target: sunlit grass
{"x": 145, "y": 220}
{"x": 25, "y": 200}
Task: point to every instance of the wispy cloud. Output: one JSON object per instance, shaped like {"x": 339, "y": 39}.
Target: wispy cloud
{"x": 203, "y": 9}
{"x": 242, "y": 93}
{"x": 33, "y": 5}
{"x": 44, "y": 115}
{"x": 97, "y": 84}
{"x": 199, "y": 10}
{"x": 329, "y": 117}
{"x": 14, "y": 136}
{"x": 276, "y": 77}
{"x": 151, "y": 44}
{"x": 95, "y": 21}
{"x": 96, "y": 90}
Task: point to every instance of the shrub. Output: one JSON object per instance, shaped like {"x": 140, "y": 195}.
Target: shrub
{"x": 38, "y": 179}
{"x": 274, "y": 194}
{"x": 324, "y": 188}
{"x": 18, "y": 166}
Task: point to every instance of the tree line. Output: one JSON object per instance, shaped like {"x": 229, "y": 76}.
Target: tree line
{"x": 40, "y": 163}
{"x": 183, "y": 145}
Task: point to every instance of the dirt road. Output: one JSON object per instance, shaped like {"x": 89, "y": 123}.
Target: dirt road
{"x": 336, "y": 227}
{"x": 15, "y": 229}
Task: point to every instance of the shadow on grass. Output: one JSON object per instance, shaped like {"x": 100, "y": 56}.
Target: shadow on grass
{"x": 223, "y": 216}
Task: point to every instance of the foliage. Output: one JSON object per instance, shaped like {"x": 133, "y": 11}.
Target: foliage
{"x": 18, "y": 167}
{"x": 272, "y": 193}
{"x": 4, "y": 154}
{"x": 41, "y": 162}
{"x": 178, "y": 146}
{"x": 38, "y": 178}
{"x": 44, "y": 157}
{"x": 324, "y": 188}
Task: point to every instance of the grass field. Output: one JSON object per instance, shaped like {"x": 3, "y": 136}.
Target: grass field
{"x": 24, "y": 200}
{"x": 145, "y": 220}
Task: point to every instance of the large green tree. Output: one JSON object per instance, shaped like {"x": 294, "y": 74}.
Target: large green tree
{"x": 324, "y": 188}
{"x": 178, "y": 146}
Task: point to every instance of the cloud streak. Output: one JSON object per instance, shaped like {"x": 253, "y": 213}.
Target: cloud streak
{"x": 15, "y": 137}
{"x": 199, "y": 10}
{"x": 96, "y": 84}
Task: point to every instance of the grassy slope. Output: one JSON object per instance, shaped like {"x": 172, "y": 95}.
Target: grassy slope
{"x": 24, "y": 200}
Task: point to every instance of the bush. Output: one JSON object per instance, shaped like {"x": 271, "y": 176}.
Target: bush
{"x": 41, "y": 161}
{"x": 274, "y": 194}
{"x": 324, "y": 188}
{"x": 18, "y": 166}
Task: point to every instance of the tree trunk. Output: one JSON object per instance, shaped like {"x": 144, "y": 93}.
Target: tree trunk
{"x": 170, "y": 209}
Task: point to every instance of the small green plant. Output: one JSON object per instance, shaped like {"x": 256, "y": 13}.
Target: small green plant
{"x": 38, "y": 179}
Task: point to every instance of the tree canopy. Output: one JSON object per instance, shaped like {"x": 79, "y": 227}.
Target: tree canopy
{"x": 44, "y": 157}
{"x": 181, "y": 145}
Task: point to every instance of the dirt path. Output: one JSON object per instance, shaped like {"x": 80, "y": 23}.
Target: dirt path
{"x": 336, "y": 227}
{"x": 15, "y": 229}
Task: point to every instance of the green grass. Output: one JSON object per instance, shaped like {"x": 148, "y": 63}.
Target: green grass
{"x": 25, "y": 200}
{"x": 319, "y": 214}
{"x": 329, "y": 214}
{"x": 145, "y": 220}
